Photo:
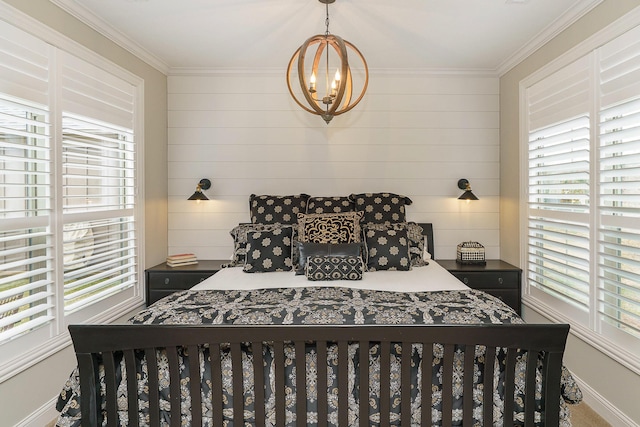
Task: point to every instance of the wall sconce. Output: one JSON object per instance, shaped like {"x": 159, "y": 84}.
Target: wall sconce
{"x": 463, "y": 184}
{"x": 204, "y": 184}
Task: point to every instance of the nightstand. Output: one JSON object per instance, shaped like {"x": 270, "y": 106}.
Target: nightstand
{"x": 496, "y": 277}
{"x": 163, "y": 280}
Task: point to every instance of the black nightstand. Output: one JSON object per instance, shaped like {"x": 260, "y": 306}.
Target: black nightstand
{"x": 163, "y": 280}
{"x": 497, "y": 278}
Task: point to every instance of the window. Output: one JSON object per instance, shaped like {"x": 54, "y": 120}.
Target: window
{"x": 69, "y": 219}
{"x": 583, "y": 201}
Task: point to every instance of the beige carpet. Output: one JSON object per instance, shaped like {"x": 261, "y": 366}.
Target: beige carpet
{"x": 583, "y": 416}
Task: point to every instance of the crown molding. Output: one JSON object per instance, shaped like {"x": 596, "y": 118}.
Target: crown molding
{"x": 404, "y": 72}
{"x": 547, "y": 34}
{"x": 87, "y": 17}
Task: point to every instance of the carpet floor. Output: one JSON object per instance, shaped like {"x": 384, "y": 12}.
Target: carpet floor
{"x": 583, "y": 416}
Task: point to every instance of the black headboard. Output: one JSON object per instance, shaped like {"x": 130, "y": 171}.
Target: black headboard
{"x": 427, "y": 230}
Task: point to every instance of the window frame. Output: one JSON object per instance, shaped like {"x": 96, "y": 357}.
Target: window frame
{"x": 33, "y": 347}
{"x": 589, "y": 329}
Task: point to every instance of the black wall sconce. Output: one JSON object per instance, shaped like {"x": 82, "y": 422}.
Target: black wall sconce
{"x": 204, "y": 184}
{"x": 463, "y": 184}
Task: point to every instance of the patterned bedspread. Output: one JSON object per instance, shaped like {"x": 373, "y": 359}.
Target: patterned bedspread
{"x": 326, "y": 306}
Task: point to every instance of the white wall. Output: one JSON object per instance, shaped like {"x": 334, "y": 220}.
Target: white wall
{"x": 414, "y": 135}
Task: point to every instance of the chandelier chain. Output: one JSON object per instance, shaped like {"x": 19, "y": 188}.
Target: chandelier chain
{"x": 326, "y": 21}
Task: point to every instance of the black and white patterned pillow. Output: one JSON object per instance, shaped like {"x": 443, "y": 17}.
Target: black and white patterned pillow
{"x": 330, "y": 228}
{"x": 239, "y": 235}
{"x": 330, "y": 205}
{"x": 269, "y": 251}
{"x": 309, "y": 249}
{"x": 414, "y": 234}
{"x": 381, "y": 208}
{"x": 334, "y": 267}
{"x": 267, "y": 209}
{"x": 387, "y": 249}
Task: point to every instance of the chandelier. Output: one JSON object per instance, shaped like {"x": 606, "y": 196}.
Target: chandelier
{"x": 327, "y": 94}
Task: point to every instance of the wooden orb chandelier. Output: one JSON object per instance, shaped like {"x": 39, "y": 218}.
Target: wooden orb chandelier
{"x": 326, "y": 94}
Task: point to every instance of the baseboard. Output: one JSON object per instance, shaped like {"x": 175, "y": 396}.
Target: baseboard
{"x": 43, "y": 416}
{"x": 603, "y": 407}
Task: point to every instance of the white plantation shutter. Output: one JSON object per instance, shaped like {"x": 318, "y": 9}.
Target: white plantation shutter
{"x": 26, "y": 245}
{"x": 619, "y": 232}
{"x": 583, "y": 243}
{"x": 98, "y": 200}
{"x": 68, "y": 209}
{"x": 559, "y": 188}
{"x": 98, "y": 171}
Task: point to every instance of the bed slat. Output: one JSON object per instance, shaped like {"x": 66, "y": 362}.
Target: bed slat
{"x": 487, "y": 384}
{"x": 236, "y": 371}
{"x": 301, "y": 384}
{"x": 154, "y": 390}
{"x": 447, "y": 385}
{"x": 405, "y": 383}
{"x": 258, "y": 381}
{"x": 216, "y": 383}
{"x": 279, "y": 374}
{"x": 174, "y": 385}
{"x": 195, "y": 385}
{"x": 530, "y": 385}
{"x": 427, "y": 374}
{"x": 132, "y": 387}
{"x": 509, "y": 387}
{"x": 467, "y": 393}
{"x": 110, "y": 380}
{"x": 343, "y": 383}
{"x": 322, "y": 385}
{"x": 363, "y": 362}
{"x": 108, "y": 343}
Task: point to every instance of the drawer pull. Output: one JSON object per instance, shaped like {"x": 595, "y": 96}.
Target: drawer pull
{"x": 166, "y": 280}
{"x": 466, "y": 280}
{"x": 500, "y": 280}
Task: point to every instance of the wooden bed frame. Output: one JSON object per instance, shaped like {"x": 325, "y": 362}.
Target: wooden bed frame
{"x": 96, "y": 344}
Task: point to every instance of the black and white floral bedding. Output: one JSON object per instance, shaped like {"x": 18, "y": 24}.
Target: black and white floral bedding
{"x": 325, "y": 306}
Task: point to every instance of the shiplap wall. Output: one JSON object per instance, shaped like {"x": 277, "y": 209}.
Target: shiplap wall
{"x": 412, "y": 134}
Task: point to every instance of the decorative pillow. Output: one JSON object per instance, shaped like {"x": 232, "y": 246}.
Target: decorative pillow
{"x": 330, "y": 205}
{"x": 387, "y": 249}
{"x": 381, "y": 207}
{"x": 334, "y": 267}
{"x": 330, "y": 228}
{"x": 310, "y": 249}
{"x": 239, "y": 235}
{"x": 269, "y": 250}
{"x": 276, "y": 209}
{"x": 417, "y": 245}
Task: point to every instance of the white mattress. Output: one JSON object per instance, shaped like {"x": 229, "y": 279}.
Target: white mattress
{"x": 432, "y": 277}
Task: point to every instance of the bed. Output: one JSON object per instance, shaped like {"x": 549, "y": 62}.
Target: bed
{"x": 333, "y": 343}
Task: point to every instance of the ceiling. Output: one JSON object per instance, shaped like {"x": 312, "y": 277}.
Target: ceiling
{"x": 444, "y": 35}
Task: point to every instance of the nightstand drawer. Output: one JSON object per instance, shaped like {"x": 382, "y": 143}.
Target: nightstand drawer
{"x": 511, "y": 298}
{"x": 489, "y": 279}
{"x": 163, "y": 280}
{"x": 176, "y": 281}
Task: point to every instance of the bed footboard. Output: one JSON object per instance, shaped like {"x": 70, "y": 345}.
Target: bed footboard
{"x": 445, "y": 375}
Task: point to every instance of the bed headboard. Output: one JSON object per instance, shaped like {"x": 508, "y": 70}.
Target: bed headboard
{"x": 427, "y": 230}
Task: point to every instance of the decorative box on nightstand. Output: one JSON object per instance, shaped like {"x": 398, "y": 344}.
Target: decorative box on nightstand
{"x": 163, "y": 280}
{"x": 496, "y": 277}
